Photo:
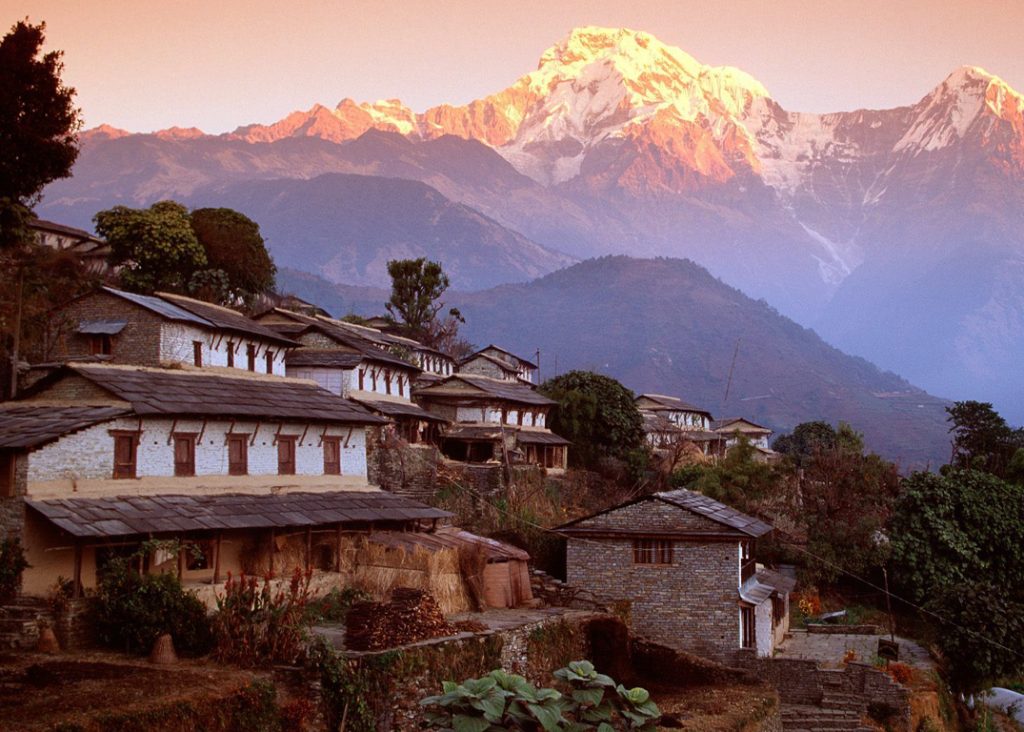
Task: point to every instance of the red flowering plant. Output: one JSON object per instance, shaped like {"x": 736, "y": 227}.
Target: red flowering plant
{"x": 258, "y": 623}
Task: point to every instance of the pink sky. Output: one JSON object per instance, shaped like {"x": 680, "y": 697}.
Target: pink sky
{"x": 217, "y": 64}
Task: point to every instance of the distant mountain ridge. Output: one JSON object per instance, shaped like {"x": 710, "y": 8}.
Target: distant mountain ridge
{"x": 619, "y": 143}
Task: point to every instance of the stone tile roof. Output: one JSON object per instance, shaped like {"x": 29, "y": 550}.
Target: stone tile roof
{"x": 158, "y": 306}
{"x": 501, "y": 390}
{"x": 391, "y": 408}
{"x": 226, "y": 319}
{"x": 323, "y": 357}
{"x": 671, "y": 403}
{"x": 172, "y": 514}
{"x": 200, "y": 393}
{"x": 514, "y": 357}
{"x": 532, "y": 437}
{"x": 373, "y": 350}
{"x": 27, "y": 426}
{"x": 714, "y": 510}
{"x": 718, "y": 424}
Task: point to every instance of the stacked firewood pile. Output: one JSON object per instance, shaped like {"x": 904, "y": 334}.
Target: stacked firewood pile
{"x": 412, "y": 615}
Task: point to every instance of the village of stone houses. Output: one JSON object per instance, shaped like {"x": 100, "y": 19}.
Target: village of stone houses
{"x": 274, "y": 514}
{"x": 224, "y": 506}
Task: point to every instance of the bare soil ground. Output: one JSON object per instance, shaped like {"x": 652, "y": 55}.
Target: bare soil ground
{"x": 38, "y": 692}
{"x": 719, "y": 708}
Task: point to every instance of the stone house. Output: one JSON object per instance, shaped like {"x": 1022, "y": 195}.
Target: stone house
{"x": 92, "y": 251}
{"x": 669, "y": 421}
{"x": 494, "y": 420}
{"x": 732, "y": 428}
{"x": 351, "y": 366}
{"x": 497, "y": 363}
{"x": 686, "y": 564}
{"x": 119, "y": 327}
{"x": 256, "y": 473}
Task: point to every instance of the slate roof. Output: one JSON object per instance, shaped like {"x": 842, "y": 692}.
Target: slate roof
{"x": 201, "y": 393}
{"x": 671, "y": 403}
{"x": 226, "y": 319}
{"x": 531, "y": 437}
{"x": 718, "y": 424}
{"x": 27, "y": 426}
{"x": 161, "y": 514}
{"x": 323, "y": 357}
{"x": 508, "y": 353}
{"x": 503, "y": 390}
{"x": 342, "y": 334}
{"x": 715, "y": 510}
{"x": 391, "y": 408}
{"x": 163, "y": 308}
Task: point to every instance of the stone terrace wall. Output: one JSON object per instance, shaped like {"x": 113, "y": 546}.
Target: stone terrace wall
{"x": 409, "y": 470}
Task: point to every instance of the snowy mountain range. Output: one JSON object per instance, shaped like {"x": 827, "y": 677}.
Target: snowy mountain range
{"x": 898, "y": 233}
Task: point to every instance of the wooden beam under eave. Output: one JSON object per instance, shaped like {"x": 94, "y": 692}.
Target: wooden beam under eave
{"x": 78, "y": 569}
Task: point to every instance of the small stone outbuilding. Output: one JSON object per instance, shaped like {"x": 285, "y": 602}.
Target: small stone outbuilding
{"x": 686, "y": 563}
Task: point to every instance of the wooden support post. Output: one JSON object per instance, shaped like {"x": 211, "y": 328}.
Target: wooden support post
{"x": 181, "y": 563}
{"x": 309, "y": 548}
{"x": 78, "y": 569}
{"x": 273, "y": 548}
{"x": 339, "y": 534}
{"x": 216, "y": 559}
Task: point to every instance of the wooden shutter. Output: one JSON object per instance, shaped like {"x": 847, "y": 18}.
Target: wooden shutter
{"x": 184, "y": 455}
{"x": 197, "y": 353}
{"x": 231, "y": 354}
{"x": 286, "y": 455}
{"x": 125, "y": 450}
{"x": 270, "y": 362}
{"x": 238, "y": 454}
{"x": 332, "y": 456}
{"x": 250, "y": 352}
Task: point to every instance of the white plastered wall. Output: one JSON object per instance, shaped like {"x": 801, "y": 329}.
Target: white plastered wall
{"x": 177, "y": 339}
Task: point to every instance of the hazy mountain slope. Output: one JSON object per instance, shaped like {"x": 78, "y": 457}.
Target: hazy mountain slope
{"x": 668, "y": 326}
{"x": 346, "y": 228}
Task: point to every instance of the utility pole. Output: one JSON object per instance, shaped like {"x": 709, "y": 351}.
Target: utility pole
{"x": 538, "y": 367}
{"x": 17, "y": 336}
{"x": 728, "y": 382}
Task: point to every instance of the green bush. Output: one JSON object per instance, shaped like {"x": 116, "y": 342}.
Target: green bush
{"x": 12, "y": 564}
{"x": 334, "y": 606}
{"x": 130, "y": 610}
{"x": 504, "y": 701}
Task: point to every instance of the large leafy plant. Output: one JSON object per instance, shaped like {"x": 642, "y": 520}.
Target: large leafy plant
{"x": 504, "y": 701}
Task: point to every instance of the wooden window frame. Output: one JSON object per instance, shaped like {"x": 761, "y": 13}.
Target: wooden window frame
{"x": 186, "y": 469}
{"x": 653, "y": 552}
{"x": 331, "y": 468}
{"x": 241, "y": 467}
{"x": 129, "y": 469}
{"x": 101, "y": 344}
{"x": 231, "y": 354}
{"x": 269, "y": 358}
{"x": 250, "y": 355}
{"x": 748, "y": 630}
{"x": 8, "y": 473}
{"x": 284, "y": 468}
{"x": 197, "y": 354}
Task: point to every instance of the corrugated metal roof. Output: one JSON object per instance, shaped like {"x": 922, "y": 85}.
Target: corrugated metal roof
{"x": 26, "y": 426}
{"x": 159, "y": 306}
{"x": 755, "y": 592}
{"x": 101, "y": 327}
{"x": 163, "y": 514}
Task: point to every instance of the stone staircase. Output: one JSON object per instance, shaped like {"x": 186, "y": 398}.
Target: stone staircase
{"x": 20, "y": 620}
{"x": 837, "y": 710}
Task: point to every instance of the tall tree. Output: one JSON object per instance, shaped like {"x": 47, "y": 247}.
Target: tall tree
{"x": 597, "y": 414}
{"x": 806, "y": 439}
{"x": 154, "y": 248}
{"x": 416, "y": 289}
{"x": 234, "y": 245}
{"x": 38, "y": 125}
{"x": 958, "y": 551}
{"x": 981, "y": 437}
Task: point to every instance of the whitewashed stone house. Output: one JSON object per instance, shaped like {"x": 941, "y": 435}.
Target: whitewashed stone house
{"x": 686, "y": 564}
{"x": 493, "y": 418}
{"x": 119, "y": 327}
{"x": 498, "y": 363}
{"x": 732, "y": 428}
{"x": 668, "y": 421}
{"x": 254, "y": 473}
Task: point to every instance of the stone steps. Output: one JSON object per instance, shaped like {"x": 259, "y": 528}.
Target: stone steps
{"x": 805, "y": 718}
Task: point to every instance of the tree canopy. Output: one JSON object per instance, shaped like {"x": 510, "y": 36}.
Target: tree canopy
{"x": 982, "y": 439}
{"x": 597, "y": 414}
{"x": 38, "y": 123}
{"x": 234, "y": 246}
{"x": 958, "y": 551}
{"x": 153, "y": 248}
{"x": 806, "y": 439}
{"x": 416, "y": 286}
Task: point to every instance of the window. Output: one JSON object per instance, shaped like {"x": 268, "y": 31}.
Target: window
{"x": 747, "y": 637}
{"x": 387, "y": 381}
{"x": 199, "y": 555}
{"x": 362, "y": 379}
{"x": 8, "y": 461}
{"x": 652, "y": 551}
{"x": 285, "y": 455}
{"x": 270, "y": 362}
{"x": 126, "y": 447}
{"x": 100, "y": 344}
{"x": 197, "y": 353}
{"x": 231, "y": 354}
{"x": 332, "y": 456}
{"x": 250, "y": 354}
{"x": 401, "y": 385}
{"x": 184, "y": 454}
{"x": 778, "y": 610}
{"x": 238, "y": 454}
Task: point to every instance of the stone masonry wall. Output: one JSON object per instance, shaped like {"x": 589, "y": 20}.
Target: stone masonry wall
{"x": 691, "y": 604}
{"x": 654, "y": 515}
{"x": 12, "y": 508}
{"x": 137, "y": 343}
{"x": 409, "y": 470}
